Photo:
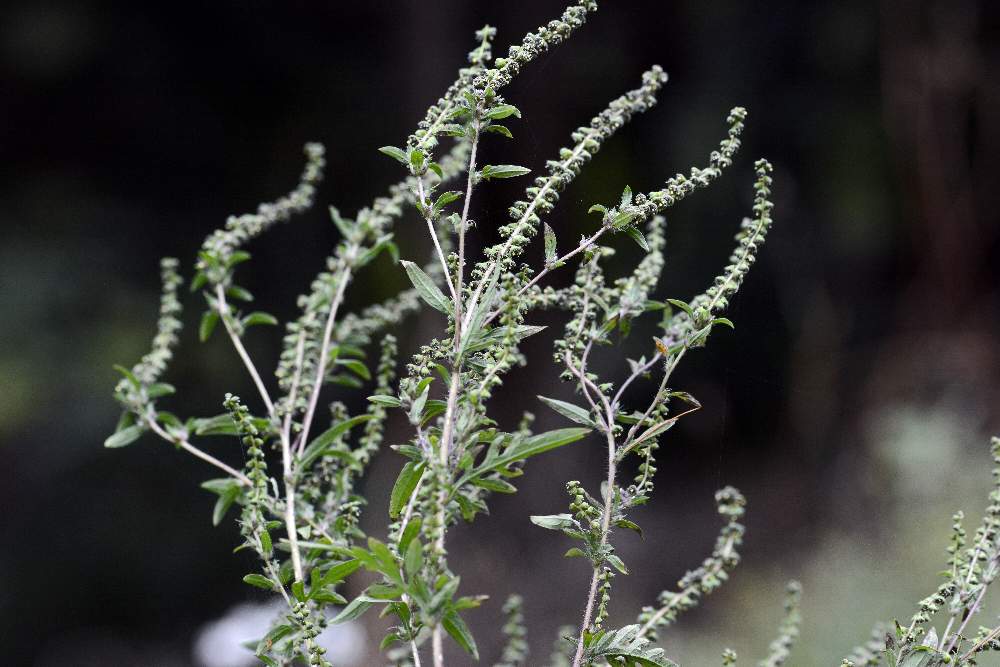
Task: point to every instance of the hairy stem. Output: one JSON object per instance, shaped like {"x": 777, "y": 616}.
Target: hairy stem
{"x": 980, "y": 644}
{"x": 461, "y": 231}
{"x": 191, "y": 449}
{"x": 605, "y": 530}
{"x": 324, "y": 353}
{"x": 437, "y": 646}
{"x": 223, "y": 309}
{"x": 437, "y": 244}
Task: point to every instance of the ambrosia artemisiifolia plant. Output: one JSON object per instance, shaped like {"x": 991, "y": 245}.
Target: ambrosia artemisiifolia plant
{"x": 299, "y": 510}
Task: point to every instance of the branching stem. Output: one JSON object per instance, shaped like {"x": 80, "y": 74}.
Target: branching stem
{"x": 191, "y": 449}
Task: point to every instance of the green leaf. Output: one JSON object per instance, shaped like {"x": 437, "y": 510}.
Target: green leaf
{"x": 356, "y": 367}
{"x": 474, "y": 331}
{"x": 357, "y": 606}
{"x": 405, "y": 484}
{"x": 198, "y": 281}
{"x": 426, "y": 288}
{"x": 260, "y": 581}
{"x": 499, "y": 129}
{"x": 395, "y": 153}
{"x": 417, "y": 159}
{"x": 411, "y": 530}
{"x": 128, "y": 375}
{"x": 637, "y": 236}
{"x": 343, "y": 226}
{"x": 207, "y": 326}
{"x": 527, "y": 448}
{"x": 299, "y": 591}
{"x": 124, "y": 437}
{"x": 386, "y": 400}
{"x": 550, "y": 244}
{"x": 258, "y": 317}
{"x": 725, "y": 321}
{"x": 369, "y": 255}
{"x": 265, "y": 543}
{"x": 272, "y": 637}
{"x": 316, "y": 448}
{"x": 502, "y": 171}
{"x": 626, "y": 196}
{"x": 446, "y": 198}
{"x": 238, "y": 257}
{"x": 572, "y": 412}
{"x": 598, "y": 208}
{"x": 240, "y": 293}
{"x": 554, "y": 521}
{"x": 339, "y": 572}
{"x": 224, "y": 502}
{"x": 459, "y": 631}
{"x": 493, "y": 484}
{"x": 574, "y": 552}
{"x": 417, "y": 408}
{"x": 502, "y": 111}
{"x": 414, "y": 559}
{"x": 686, "y": 397}
{"x": 625, "y": 523}
{"x": 682, "y": 305}
{"x": 160, "y": 389}
{"x": 654, "y": 431}
{"x": 622, "y": 219}
{"x": 217, "y": 425}
{"x": 617, "y": 563}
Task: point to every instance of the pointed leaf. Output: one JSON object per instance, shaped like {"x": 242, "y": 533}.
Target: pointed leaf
{"x": 395, "y": 153}
{"x": 405, "y": 484}
{"x": 124, "y": 437}
{"x": 502, "y": 171}
{"x": 426, "y": 288}
{"x": 570, "y": 411}
{"x": 459, "y": 631}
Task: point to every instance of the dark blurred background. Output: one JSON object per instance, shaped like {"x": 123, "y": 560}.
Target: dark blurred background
{"x": 852, "y": 405}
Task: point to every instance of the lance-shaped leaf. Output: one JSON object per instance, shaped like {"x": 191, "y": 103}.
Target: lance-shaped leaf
{"x": 426, "y": 288}
{"x": 405, "y": 484}
{"x": 569, "y": 410}
{"x": 502, "y": 171}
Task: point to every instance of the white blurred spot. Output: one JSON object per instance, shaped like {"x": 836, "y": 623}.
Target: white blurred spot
{"x": 220, "y": 643}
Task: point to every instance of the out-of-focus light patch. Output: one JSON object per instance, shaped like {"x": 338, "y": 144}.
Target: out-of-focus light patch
{"x": 220, "y": 643}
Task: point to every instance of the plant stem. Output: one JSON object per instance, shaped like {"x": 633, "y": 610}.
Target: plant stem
{"x": 286, "y": 445}
{"x": 434, "y": 238}
{"x": 286, "y": 429}
{"x": 191, "y": 449}
{"x": 605, "y": 530}
{"x": 461, "y": 231}
{"x": 986, "y": 640}
{"x": 968, "y": 617}
{"x": 290, "y": 524}
{"x": 437, "y": 647}
{"x": 223, "y": 309}
{"x": 324, "y": 351}
{"x": 584, "y": 245}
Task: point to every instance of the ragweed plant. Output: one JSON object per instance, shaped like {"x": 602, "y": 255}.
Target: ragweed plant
{"x": 971, "y": 568}
{"x": 299, "y": 508}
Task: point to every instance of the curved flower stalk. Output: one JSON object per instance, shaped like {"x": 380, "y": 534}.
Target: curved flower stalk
{"x": 706, "y": 578}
